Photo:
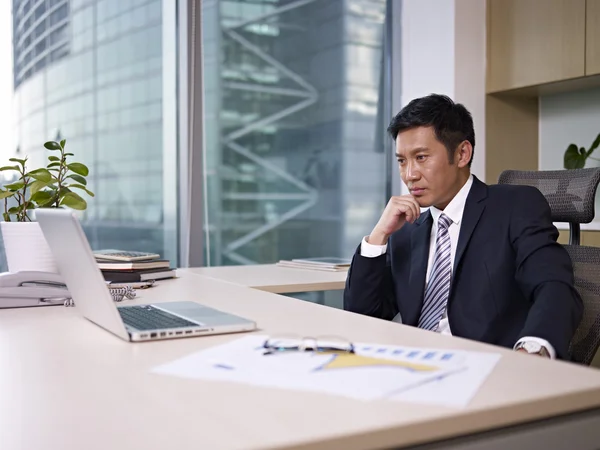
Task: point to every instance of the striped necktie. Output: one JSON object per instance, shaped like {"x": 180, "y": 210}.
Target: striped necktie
{"x": 438, "y": 287}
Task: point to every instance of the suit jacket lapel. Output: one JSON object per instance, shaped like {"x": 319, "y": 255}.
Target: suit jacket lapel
{"x": 474, "y": 207}
{"x": 419, "y": 252}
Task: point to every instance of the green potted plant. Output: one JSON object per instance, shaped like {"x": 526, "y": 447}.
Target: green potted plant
{"x": 576, "y": 157}
{"x": 53, "y": 186}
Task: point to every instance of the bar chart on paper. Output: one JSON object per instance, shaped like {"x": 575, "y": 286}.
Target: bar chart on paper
{"x": 372, "y": 372}
{"x": 410, "y": 354}
{"x": 455, "y": 389}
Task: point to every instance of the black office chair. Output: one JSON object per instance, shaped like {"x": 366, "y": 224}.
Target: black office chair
{"x": 571, "y": 195}
{"x": 586, "y": 267}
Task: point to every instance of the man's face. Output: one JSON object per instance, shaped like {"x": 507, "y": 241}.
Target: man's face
{"x": 426, "y": 169}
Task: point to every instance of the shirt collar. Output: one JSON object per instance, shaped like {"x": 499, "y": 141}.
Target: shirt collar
{"x": 456, "y": 207}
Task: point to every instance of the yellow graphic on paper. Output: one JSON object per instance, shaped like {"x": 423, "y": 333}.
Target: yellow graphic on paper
{"x": 349, "y": 360}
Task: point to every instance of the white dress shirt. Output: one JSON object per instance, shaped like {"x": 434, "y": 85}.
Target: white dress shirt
{"x": 454, "y": 211}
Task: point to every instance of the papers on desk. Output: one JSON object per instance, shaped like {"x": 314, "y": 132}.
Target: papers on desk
{"x": 449, "y": 378}
{"x": 328, "y": 264}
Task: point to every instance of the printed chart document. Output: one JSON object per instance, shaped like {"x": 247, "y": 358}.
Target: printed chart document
{"x": 373, "y": 372}
{"x": 455, "y": 391}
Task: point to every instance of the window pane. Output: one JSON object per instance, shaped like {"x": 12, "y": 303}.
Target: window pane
{"x": 291, "y": 103}
{"x": 101, "y": 98}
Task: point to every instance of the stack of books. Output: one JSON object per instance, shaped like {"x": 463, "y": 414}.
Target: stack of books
{"x": 120, "y": 266}
{"x": 328, "y": 264}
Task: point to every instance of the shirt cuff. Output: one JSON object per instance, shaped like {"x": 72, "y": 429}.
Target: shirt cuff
{"x": 371, "y": 251}
{"x": 543, "y": 342}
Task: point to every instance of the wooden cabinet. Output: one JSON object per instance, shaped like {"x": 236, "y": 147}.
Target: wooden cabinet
{"x": 532, "y": 42}
{"x": 592, "y": 38}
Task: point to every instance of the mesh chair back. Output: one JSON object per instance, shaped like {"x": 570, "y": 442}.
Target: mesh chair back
{"x": 570, "y": 193}
{"x": 586, "y": 267}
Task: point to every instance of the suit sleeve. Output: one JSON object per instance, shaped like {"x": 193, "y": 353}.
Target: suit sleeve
{"x": 544, "y": 273}
{"x": 369, "y": 289}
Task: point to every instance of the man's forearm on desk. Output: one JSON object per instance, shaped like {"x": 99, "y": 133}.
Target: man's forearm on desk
{"x": 554, "y": 317}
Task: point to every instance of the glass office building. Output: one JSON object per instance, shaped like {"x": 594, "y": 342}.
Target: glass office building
{"x": 91, "y": 71}
{"x": 291, "y": 103}
{"x": 293, "y": 159}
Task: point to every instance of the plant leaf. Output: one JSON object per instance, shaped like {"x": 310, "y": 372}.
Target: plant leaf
{"x": 78, "y": 168}
{"x": 6, "y": 217}
{"x": 69, "y": 154}
{"x": 53, "y": 158}
{"x": 9, "y": 168}
{"x": 13, "y": 210}
{"x": 6, "y": 194}
{"x": 41, "y": 197}
{"x": 51, "y": 200}
{"x": 79, "y": 179}
{"x": 15, "y": 186}
{"x": 52, "y": 145}
{"x": 573, "y": 159}
{"x": 17, "y": 209}
{"x": 54, "y": 164}
{"x": 594, "y": 146}
{"x": 37, "y": 185}
{"x": 51, "y": 189}
{"x": 83, "y": 188}
{"x": 73, "y": 200}
{"x": 62, "y": 143}
{"x": 20, "y": 161}
{"x": 63, "y": 191}
{"x": 41, "y": 174}
{"x": 48, "y": 203}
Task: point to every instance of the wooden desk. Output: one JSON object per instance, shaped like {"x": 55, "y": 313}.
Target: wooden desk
{"x": 66, "y": 384}
{"x": 273, "y": 278}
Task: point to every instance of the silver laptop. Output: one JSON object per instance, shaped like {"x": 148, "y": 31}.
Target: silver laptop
{"x": 90, "y": 292}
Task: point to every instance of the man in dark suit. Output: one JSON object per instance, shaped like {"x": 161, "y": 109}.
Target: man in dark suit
{"x": 482, "y": 263}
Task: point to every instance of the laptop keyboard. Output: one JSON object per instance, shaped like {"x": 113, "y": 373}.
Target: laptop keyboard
{"x": 149, "y": 318}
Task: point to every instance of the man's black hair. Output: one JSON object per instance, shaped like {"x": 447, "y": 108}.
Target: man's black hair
{"x": 452, "y": 122}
